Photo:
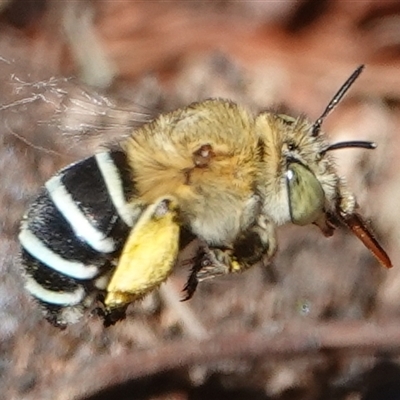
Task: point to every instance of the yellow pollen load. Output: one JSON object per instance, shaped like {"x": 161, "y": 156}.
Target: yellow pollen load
{"x": 148, "y": 256}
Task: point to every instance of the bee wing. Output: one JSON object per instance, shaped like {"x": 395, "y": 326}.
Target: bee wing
{"x": 82, "y": 111}
{"x": 57, "y": 114}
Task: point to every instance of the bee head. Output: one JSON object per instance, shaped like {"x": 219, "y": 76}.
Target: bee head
{"x": 312, "y": 190}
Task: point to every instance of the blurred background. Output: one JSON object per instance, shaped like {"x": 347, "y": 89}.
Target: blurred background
{"x": 321, "y": 322}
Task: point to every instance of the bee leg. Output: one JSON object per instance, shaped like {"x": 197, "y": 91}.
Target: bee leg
{"x": 256, "y": 244}
{"x": 192, "y": 281}
{"x": 207, "y": 264}
{"x": 111, "y": 316}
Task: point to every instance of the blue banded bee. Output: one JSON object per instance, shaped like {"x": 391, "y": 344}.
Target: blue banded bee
{"x": 230, "y": 177}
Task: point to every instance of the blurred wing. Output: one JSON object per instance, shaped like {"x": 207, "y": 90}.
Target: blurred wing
{"x": 59, "y": 115}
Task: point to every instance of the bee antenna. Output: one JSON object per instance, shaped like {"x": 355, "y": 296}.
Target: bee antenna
{"x": 335, "y": 100}
{"x": 361, "y": 144}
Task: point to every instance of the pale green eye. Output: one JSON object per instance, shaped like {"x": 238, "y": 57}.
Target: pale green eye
{"x": 306, "y": 196}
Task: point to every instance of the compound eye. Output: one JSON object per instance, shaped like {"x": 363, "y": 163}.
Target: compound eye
{"x": 306, "y": 196}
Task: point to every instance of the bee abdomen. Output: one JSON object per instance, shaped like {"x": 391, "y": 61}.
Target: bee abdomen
{"x": 73, "y": 231}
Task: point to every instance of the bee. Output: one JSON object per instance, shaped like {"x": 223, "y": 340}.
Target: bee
{"x": 221, "y": 174}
